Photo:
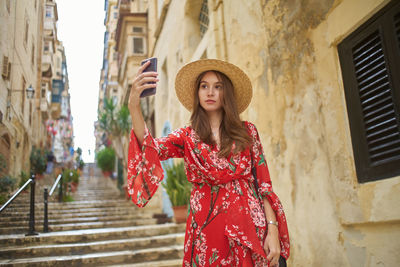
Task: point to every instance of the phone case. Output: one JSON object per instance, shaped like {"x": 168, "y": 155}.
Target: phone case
{"x": 151, "y": 67}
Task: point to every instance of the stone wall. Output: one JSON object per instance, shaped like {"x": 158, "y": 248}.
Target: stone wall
{"x": 289, "y": 50}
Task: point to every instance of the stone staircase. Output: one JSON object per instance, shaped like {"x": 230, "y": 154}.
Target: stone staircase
{"x": 99, "y": 228}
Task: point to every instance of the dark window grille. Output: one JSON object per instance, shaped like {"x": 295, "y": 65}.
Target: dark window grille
{"x": 203, "y": 18}
{"x": 138, "y": 45}
{"x": 137, "y": 29}
{"x": 370, "y": 62}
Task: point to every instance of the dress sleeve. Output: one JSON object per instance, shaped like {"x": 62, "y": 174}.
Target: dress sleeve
{"x": 144, "y": 167}
{"x": 266, "y": 191}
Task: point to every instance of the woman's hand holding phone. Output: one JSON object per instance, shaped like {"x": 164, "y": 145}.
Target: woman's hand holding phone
{"x": 142, "y": 81}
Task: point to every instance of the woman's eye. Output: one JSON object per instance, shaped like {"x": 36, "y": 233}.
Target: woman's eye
{"x": 203, "y": 86}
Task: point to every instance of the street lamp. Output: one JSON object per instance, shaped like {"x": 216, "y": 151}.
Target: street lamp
{"x": 30, "y": 92}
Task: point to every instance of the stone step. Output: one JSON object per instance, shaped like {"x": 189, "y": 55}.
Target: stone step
{"x": 165, "y": 263}
{"x": 91, "y": 235}
{"x": 72, "y": 210}
{"x": 78, "y": 226}
{"x": 80, "y": 219}
{"x": 92, "y": 247}
{"x": 74, "y": 204}
{"x": 61, "y": 216}
{"x": 102, "y": 258}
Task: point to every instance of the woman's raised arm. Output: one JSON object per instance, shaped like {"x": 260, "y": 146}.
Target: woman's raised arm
{"x": 141, "y": 82}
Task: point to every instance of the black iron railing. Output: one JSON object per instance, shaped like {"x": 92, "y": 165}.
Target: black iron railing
{"x": 32, "y": 182}
{"x": 46, "y": 197}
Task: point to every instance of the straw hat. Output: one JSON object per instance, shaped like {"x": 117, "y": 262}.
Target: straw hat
{"x": 187, "y": 75}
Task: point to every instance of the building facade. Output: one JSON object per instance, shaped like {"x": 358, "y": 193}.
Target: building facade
{"x": 31, "y": 58}
{"x": 325, "y": 102}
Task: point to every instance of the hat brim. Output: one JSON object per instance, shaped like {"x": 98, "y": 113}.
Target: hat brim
{"x": 187, "y": 75}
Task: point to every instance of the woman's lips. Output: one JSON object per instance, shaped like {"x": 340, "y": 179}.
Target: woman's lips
{"x": 210, "y": 101}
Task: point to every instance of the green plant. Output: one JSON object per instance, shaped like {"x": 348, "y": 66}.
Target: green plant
{"x": 70, "y": 175}
{"x": 105, "y": 159}
{"x": 68, "y": 198}
{"x": 81, "y": 164}
{"x": 23, "y": 177}
{"x": 7, "y": 184}
{"x": 3, "y": 163}
{"x": 38, "y": 160}
{"x": 177, "y": 186}
{"x": 113, "y": 121}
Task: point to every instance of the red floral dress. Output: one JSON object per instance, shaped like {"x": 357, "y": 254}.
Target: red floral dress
{"x": 226, "y": 221}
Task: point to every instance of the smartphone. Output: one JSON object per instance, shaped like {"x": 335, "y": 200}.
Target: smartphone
{"x": 151, "y": 67}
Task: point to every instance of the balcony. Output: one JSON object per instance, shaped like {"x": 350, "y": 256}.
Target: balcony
{"x": 49, "y": 27}
{"x": 47, "y": 65}
{"x": 55, "y": 111}
{"x": 124, "y": 6}
{"x": 44, "y": 108}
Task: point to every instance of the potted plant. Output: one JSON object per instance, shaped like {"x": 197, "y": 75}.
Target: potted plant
{"x": 105, "y": 160}
{"x": 38, "y": 161}
{"x": 23, "y": 178}
{"x": 178, "y": 189}
{"x": 71, "y": 179}
{"x": 6, "y": 186}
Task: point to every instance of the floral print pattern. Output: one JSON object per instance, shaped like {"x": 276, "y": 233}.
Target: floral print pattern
{"x": 226, "y": 222}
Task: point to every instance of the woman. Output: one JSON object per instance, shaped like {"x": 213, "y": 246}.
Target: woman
{"x": 228, "y": 223}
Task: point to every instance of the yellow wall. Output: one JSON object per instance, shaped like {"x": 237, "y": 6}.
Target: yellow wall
{"x": 23, "y": 126}
{"x": 289, "y": 50}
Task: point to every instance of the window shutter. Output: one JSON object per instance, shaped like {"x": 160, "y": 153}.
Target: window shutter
{"x": 381, "y": 126}
{"x": 397, "y": 28}
{"x": 4, "y": 69}
{"x": 138, "y": 45}
{"x": 370, "y": 61}
{"x": 9, "y": 71}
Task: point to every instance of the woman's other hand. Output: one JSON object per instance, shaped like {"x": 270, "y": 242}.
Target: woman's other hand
{"x": 271, "y": 245}
{"x": 140, "y": 83}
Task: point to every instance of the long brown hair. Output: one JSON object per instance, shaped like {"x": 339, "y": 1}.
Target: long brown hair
{"x": 231, "y": 129}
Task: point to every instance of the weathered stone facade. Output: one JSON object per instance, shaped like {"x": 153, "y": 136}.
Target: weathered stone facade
{"x": 20, "y": 45}
{"x": 31, "y": 56}
{"x": 289, "y": 50}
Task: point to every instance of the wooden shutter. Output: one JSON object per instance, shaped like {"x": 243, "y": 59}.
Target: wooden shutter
{"x": 4, "y": 69}
{"x": 370, "y": 60}
{"x": 9, "y": 71}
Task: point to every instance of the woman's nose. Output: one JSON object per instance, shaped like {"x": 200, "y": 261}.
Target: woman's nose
{"x": 210, "y": 91}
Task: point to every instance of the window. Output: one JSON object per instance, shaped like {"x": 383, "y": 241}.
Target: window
{"x": 137, "y": 29}
{"x": 49, "y": 12}
{"x": 115, "y": 15}
{"x": 46, "y": 47}
{"x": 23, "y": 87}
{"x": 5, "y": 69}
{"x": 33, "y": 54}
{"x": 30, "y": 113}
{"x": 203, "y": 18}
{"x": 8, "y": 6}
{"x": 138, "y": 45}
{"x": 370, "y": 62}
{"x": 26, "y": 32}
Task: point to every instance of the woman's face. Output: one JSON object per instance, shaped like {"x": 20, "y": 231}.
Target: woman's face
{"x": 211, "y": 92}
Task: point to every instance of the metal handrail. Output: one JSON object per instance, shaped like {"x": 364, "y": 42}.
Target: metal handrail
{"x": 55, "y": 184}
{"x": 15, "y": 195}
{"x": 32, "y": 182}
{"x": 46, "y": 197}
